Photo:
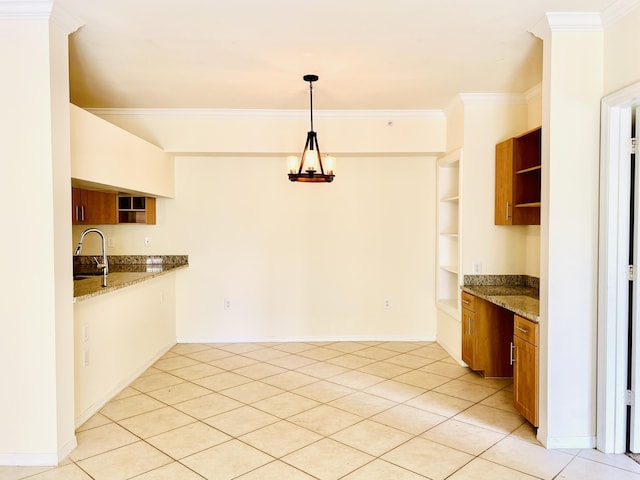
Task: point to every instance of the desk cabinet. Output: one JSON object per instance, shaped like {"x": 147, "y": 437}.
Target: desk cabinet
{"x": 525, "y": 368}
{"x": 487, "y": 332}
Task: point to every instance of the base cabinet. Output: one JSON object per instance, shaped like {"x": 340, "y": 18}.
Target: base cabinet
{"x": 525, "y": 368}
{"x": 487, "y": 331}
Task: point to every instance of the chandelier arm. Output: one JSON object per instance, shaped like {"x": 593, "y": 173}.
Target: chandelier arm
{"x": 319, "y": 156}
{"x": 304, "y": 150}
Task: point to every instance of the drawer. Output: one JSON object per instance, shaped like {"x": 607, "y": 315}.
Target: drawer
{"x": 525, "y": 329}
{"x": 468, "y": 301}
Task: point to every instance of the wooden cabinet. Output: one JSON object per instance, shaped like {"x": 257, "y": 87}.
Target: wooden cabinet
{"x": 90, "y": 207}
{"x": 525, "y": 368}
{"x": 518, "y": 180}
{"x": 136, "y": 209}
{"x": 487, "y": 331}
{"x": 468, "y": 331}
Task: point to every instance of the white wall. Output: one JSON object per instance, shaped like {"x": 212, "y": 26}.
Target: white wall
{"x": 572, "y": 88}
{"x": 125, "y": 331}
{"x": 36, "y": 348}
{"x": 102, "y": 153}
{"x": 301, "y": 261}
{"x": 620, "y": 39}
{"x": 499, "y": 249}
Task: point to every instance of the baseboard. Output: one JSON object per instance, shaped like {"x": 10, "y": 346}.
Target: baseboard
{"x": 29, "y": 459}
{"x": 259, "y": 339}
{"x": 569, "y": 442}
{"x": 96, "y": 406}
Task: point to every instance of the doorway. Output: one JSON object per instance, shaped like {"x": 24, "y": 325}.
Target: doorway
{"x": 618, "y": 429}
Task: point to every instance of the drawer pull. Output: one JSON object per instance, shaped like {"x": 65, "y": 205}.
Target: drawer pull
{"x": 466, "y": 302}
{"x": 523, "y": 330}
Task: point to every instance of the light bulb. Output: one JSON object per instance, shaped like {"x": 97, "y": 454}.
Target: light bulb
{"x": 331, "y": 164}
{"x": 310, "y": 160}
{"x": 293, "y": 164}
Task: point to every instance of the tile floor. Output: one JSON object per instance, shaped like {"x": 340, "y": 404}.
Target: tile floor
{"x": 296, "y": 411}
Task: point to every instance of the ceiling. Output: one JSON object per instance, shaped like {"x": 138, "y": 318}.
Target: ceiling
{"x": 252, "y": 54}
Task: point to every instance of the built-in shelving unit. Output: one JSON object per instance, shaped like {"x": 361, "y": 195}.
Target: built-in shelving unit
{"x": 136, "y": 209}
{"x": 448, "y": 231}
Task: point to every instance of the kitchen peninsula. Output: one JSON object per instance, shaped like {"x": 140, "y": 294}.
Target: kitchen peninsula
{"x": 124, "y": 270}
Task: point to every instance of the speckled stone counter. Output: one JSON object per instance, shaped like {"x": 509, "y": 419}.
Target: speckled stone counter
{"x": 516, "y": 293}
{"x": 124, "y": 270}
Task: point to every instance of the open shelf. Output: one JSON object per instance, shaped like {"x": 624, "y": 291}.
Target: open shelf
{"x": 448, "y": 237}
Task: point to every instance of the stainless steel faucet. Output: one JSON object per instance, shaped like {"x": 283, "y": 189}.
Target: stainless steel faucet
{"x": 104, "y": 265}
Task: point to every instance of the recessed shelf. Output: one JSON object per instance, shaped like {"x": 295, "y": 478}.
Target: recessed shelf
{"x": 528, "y": 205}
{"x": 450, "y": 268}
{"x": 449, "y": 234}
{"x": 450, "y": 199}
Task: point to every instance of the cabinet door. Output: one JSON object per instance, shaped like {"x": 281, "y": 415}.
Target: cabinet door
{"x": 89, "y": 207}
{"x": 101, "y": 208}
{"x": 503, "y": 214}
{"x": 468, "y": 338}
{"x": 525, "y": 379}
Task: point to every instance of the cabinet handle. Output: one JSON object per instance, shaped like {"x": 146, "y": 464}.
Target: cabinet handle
{"x": 507, "y": 211}
{"x": 469, "y": 325}
{"x": 523, "y": 330}
{"x": 77, "y": 213}
{"x": 82, "y": 211}
{"x": 466, "y": 302}
{"x": 512, "y": 357}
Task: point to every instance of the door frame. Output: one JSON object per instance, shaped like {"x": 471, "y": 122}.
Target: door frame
{"x": 613, "y": 290}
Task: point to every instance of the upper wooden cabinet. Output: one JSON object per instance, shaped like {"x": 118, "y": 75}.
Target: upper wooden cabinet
{"x": 90, "y": 207}
{"x": 136, "y": 209}
{"x": 518, "y": 177}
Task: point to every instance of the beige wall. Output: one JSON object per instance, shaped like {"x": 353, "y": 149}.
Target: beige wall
{"x": 120, "y": 334}
{"x": 36, "y": 348}
{"x": 620, "y": 40}
{"x": 104, "y": 154}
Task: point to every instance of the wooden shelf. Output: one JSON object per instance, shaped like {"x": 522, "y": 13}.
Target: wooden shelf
{"x": 136, "y": 209}
{"x": 537, "y": 168}
{"x": 449, "y": 234}
{"x": 529, "y": 205}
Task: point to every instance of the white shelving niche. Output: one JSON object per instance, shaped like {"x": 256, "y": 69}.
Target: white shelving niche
{"x": 449, "y": 252}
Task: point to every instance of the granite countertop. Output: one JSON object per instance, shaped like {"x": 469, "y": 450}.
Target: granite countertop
{"x": 516, "y": 293}
{"x": 124, "y": 270}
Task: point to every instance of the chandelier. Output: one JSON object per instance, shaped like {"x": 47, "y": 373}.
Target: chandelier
{"x": 310, "y": 167}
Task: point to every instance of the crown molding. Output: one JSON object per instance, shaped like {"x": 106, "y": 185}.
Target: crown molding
{"x": 25, "y": 9}
{"x": 267, "y": 113}
{"x": 574, "y": 21}
{"x": 618, "y": 10}
{"x": 534, "y": 91}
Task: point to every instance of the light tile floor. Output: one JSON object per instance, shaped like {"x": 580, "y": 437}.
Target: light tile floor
{"x": 296, "y": 411}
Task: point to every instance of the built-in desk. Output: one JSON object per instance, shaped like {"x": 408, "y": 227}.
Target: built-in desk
{"x": 500, "y": 315}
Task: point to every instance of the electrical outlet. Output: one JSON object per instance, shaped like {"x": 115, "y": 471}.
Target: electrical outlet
{"x": 110, "y": 242}
{"x": 147, "y": 241}
{"x": 387, "y": 303}
{"x": 227, "y": 304}
{"x": 85, "y": 358}
{"x": 85, "y": 332}
{"x": 477, "y": 267}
